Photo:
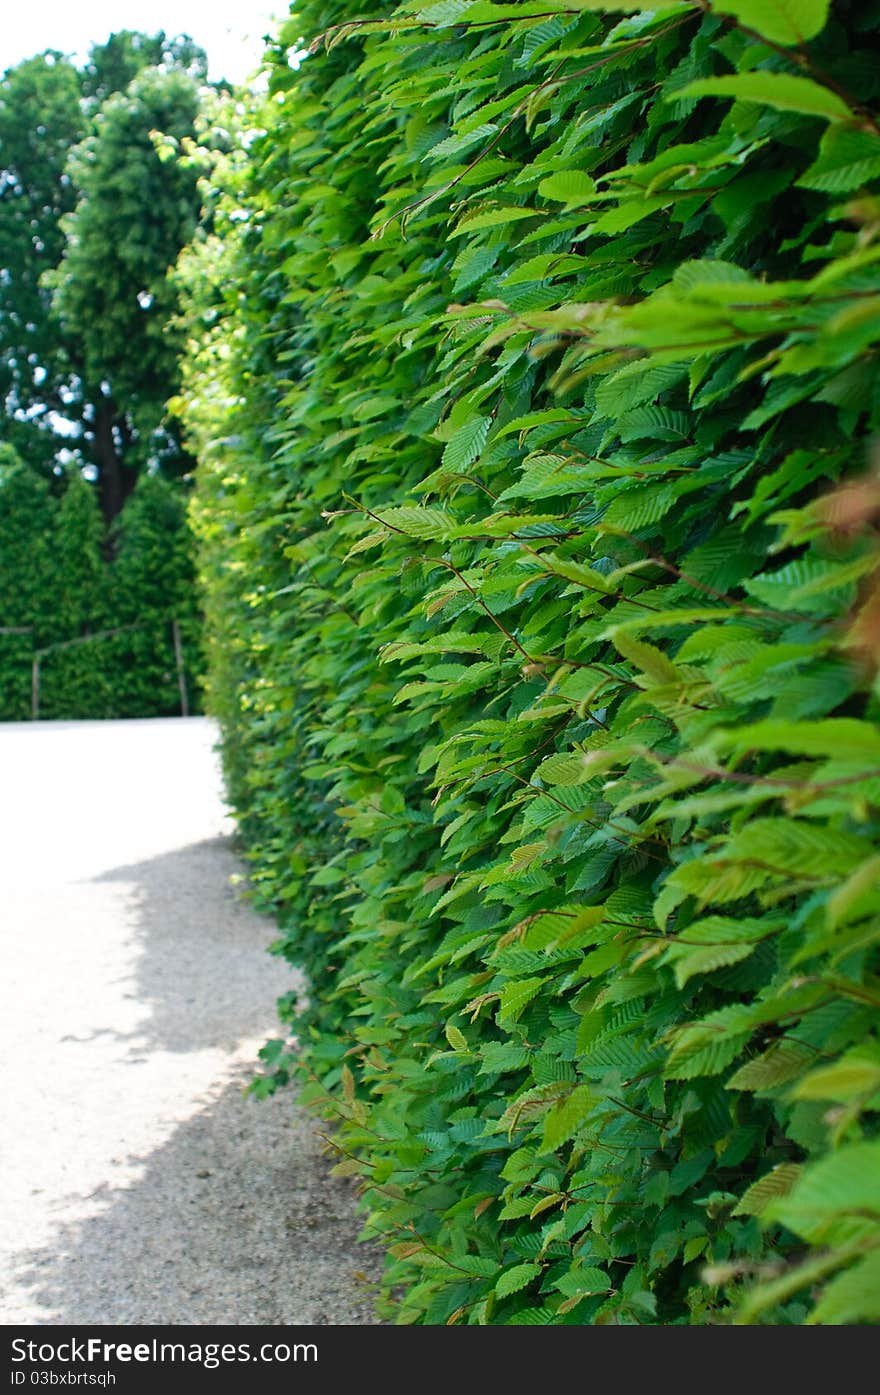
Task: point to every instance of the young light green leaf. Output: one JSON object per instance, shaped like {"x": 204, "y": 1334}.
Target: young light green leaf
{"x": 566, "y": 1117}
{"x": 516, "y": 1278}
{"x": 571, "y": 187}
{"x": 775, "y": 1183}
{"x": 463, "y": 448}
{"x": 856, "y": 1075}
{"x": 783, "y": 91}
{"x": 783, "y": 21}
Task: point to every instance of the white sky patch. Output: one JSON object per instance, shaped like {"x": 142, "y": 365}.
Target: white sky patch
{"x": 230, "y": 32}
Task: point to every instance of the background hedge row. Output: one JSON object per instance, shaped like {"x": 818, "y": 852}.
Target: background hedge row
{"x": 98, "y": 621}
{"x": 534, "y": 400}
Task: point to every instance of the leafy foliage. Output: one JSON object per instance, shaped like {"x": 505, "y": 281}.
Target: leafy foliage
{"x": 40, "y": 121}
{"x": 100, "y": 626}
{"x": 534, "y": 390}
{"x": 91, "y": 220}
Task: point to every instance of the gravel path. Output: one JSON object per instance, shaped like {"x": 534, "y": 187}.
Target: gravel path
{"x": 139, "y": 1183}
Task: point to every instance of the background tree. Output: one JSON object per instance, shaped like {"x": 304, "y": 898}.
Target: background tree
{"x": 41, "y": 119}
{"x": 112, "y": 290}
{"x": 113, "y": 65}
{"x": 91, "y": 219}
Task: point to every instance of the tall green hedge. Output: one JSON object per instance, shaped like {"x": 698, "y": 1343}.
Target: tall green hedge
{"x": 28, "y": 600}
{"x": 535, "y": 396}
{"x": 98, "y": 618}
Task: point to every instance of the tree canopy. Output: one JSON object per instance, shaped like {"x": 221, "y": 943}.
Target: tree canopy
{"x": 41, "y": 120}
{"x": 91, "y": 221}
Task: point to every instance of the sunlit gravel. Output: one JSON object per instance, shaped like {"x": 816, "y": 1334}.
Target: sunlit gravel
{"x": 140, "y": 1184}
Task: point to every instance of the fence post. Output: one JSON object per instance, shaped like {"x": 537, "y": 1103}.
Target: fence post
{"x": 35, "y": 688}
{"x": 181, "y": 675}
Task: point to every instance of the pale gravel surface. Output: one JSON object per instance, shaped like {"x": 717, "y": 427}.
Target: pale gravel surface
{"x": 139, "y": 1184}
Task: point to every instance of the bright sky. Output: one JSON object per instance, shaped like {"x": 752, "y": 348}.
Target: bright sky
{"x": 230, "y": 31}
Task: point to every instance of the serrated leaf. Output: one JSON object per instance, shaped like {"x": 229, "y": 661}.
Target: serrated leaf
{"x": 491, "y": 218}
{"x": 783, "y": 21}
{"x": 545, "y": 1204}
{"x": 481, "y": 1266}
{"x": 688, "y": 962}
{"x": 583, "y": 1282}
{"x": 851, "y": 1297}
{"x": 856, "y": 1075}
{"x": 456, "y": 1038}
{"x": 845, "y": 1183}
{"x": 414, "y": 522}
{"x": 566, "y": 1117}
{"x": 647, "y": 658}
{"x": 847, "y": 159}
{"x": 780, "y": 1063}
{"x": 783, "y": 91}
{"x": 461, "y": 144}
{"x": 834, "y": 736}
{"x": 516, "y": 996}
{"x": 568, "y": 768}
{"x": 707, "y": 1046}
{"x": 796, "y": 847}
{"x": 570, "y": 187}
{"x": 775, "y": 1183}
{"x": 516, "y": 1278}
{"x": 463, "y": 448}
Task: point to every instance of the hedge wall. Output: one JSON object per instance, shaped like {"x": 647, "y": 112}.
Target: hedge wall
{"x": 535, "y": 399}
{"x": 99, "y": 618}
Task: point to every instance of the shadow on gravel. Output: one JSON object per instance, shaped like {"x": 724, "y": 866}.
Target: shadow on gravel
{"x": 203, "y": 968}
{"x": 235, "y": 1220}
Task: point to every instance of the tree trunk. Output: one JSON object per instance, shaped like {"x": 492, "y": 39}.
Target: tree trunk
{"x": 115, "y": 482}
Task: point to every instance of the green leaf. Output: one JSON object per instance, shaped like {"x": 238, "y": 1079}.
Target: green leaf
{"x": 516, "y": 1278}
{"x": 848, "y": 902}
{"x": 842, "y": 737}
{"x": 573, "y": 768}
{"x": 647, "y": 658}
{"x": 786, "y": 846}
{"x": 463, "y": 448}
{"x": 783, "y": 21}
{"x": 856, "y": 1075}
{"x": 846, "y": 1183}
{"x": 688, "y": 963}
{"x": 516, "y": 996}
{"x": 456, "y": 1038}
{"x": 425, "y": 523}
{"x": 566, "y": 1117}
{"x": 714, "y": 942}
{"x": 775, "y": 1183}
{"x": 781, "y": 1062}
{"x": 583, "y": 1282}
{"x": 780, "y": 90}
{"x": 491, "y": 218}
{"x": 851, "y": 1297}
{"x": 848, "y": 158}
{"x": 481, "y": 1266}
{"x": 571, "y": 187}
